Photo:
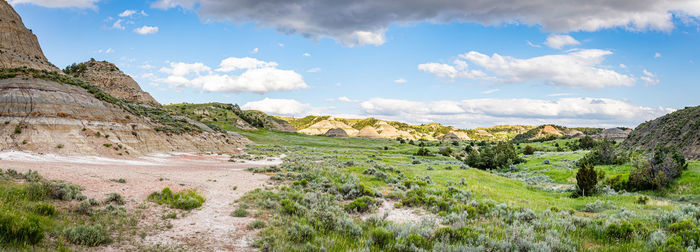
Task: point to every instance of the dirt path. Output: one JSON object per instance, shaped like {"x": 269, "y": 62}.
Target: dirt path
{"x": 209, "y": 228}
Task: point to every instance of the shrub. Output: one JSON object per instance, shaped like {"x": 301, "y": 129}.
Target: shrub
{"x": 44, "y": 209}
{"x": 586, "y": 179}
{"x": 666, "y": 165}
{"x": 642, "y": 199}
{"x": 529, "y": 150}
{"x": 380, "y": 237}
{"x": 114, "y": 197}
{"x": 20, "y": 229}
{"x": 416, "y": 240}
{"x": 300, "y": 232}
{"x": 605, "y": 153}
{"x": 18, "y": 130}
{"x": 240, "y": 212}
{"x": 257, "y": 224}
{"x": 361, "y": 204}
{"x": 185, "y": 200}
{"x": 423, "y": 152}
{"x": 87, "y": 235}
{"x": 445, "y": 151}
{"x": 586, "y": 143}
{"x": 501, "y": 156}
{"x": 622, "y": 231}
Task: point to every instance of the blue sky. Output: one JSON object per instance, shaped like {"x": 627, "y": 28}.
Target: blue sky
{"x": 454, "y": 63}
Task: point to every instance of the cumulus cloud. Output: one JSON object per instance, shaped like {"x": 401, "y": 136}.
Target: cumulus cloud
{"x": 576, "y": 69}
{"x": 364, "y": 22}
{"x": 90, "y": 4}
{"x": 285, "y": 107}
{"x": 601, "y": 112}
{"x": 127, "y": 13}
{"x": 557, "y": 41}
{"x": 257, "y": 76}
{"x": 145, "y": 30}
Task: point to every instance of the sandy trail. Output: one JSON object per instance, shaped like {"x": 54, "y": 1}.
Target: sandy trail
{"x": 209, "y": 228}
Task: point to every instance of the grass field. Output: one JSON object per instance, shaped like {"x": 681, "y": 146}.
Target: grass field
{"x": 475, "y": 207}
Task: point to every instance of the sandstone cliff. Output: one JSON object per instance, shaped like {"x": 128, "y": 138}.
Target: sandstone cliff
{"x": 19, "y": 47}
{"x": 109, "y": 78}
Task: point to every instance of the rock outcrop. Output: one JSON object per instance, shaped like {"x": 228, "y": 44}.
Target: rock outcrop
{"x": 614, "y": 133}
{"x": 110, "y": 79}
{"x": 324, "y": 126}
{"x": 368, "y": 132}
{"x": 19, "y": 47}
{"x": 450, "y": 136}
{"x": 337, "y": 132}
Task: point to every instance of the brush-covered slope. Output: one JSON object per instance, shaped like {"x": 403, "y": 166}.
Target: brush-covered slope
{"x": 375, "y": 128}
{"x": 680, "y": 129}
{"x": 551, "y": 132}
{"x": 220, "y": 115}
{"x": 110, "y": 79}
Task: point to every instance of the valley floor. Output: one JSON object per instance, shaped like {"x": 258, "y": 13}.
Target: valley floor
{"x": 209, "y": 228}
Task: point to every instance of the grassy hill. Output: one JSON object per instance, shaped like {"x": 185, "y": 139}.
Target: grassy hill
{"x": 680, "y": 129}
{"x": 220, "y": 115}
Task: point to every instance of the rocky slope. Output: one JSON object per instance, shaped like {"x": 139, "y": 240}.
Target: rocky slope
{"x": 680, "y": 129}
{"x": 44, "y": 110}
{"x": 225, "y": 116}
{"x": 110, "y": 79}
{"x": 374, "y": 128}
{"x": 19, "y": 47}
{"x": 551, "y": 132}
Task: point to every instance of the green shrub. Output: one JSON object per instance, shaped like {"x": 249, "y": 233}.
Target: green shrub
{"x": 622, "y": 231}
{"x": 185, "y": 200}
{"x": 300, "y": 232}
{"x": 361, "y": 204}
{"x": 642, "y": 199}
{"x": 666, "y": 165}
{"x": 240, "y": 212}
{"x": 605, "y": 153}
{"x": 44, "y": 209}
{"x": 416, "y": 240}
{"x": 380, "y": 237}
{"x": 86, "y": 235}
{"x": 529, "y": 150}
{"x": 20, "y": 229}
{"x": 257, "y": 224}
{"x": 423, "y": 152}
{"x": 114, "y": 197}
{"x": 501, "y": 156}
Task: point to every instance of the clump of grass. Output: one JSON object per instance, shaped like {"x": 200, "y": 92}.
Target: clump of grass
{"x": 185, "y": 200}
{"x": 18, "y": 228}
{"x": 87, "y": 235}
{"x": 257, "y": 224}
{"x": 119, "y": 180}
{"x": 60, "y": 146}
{"x": 116, "y": 198}
{"x": 240, "y": 212}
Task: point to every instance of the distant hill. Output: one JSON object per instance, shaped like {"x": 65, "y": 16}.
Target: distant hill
{"x": 376, "y": 128}
{"x": 680, "y": 129}
{"x": 551, "y": 132}
{"x": 220, "y": 115}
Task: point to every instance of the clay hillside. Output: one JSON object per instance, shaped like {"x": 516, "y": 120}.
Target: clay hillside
{"x": 551, "y": 132}
{"x": 110, "y": 79}
{"x": 228, "y": 116}
{"x": 375, "y": 128}
{"x": 680, "y": 129}
{"x": 44, "y": 110}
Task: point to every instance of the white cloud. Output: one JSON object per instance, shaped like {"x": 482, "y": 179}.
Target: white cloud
{"x": 657, "y": 55}
{"x": 364, "y": 22}
{"x": 346, "y": 99}
{"x": 144, "y": 30}
{"x": 649, "y": 78}
{"x": 576, "y": 69}
{"x": 557, "y": 41}
{"x": 623, "y": 66}
{"x": 490, "y": 91}
{"x": 106, "y": 51}
{"x": 257, "y": 76}
{"x": 90, "y": 4}
{"x": 599, "y": 112}
{"x": 306, "y": 55}
{"x": 314, "y": 70}
{"x": 232, "y": 64}
{"x": 146, "y": 66}
{"x": 285, "y": 107}
{"x": 560, "y": 94}
{"x": 127, "y": 13}
{"x": 401, "y": 80}
{"x": 533, "y": 45}
{"x": 254, "y": 51}
{"x": 280, "y": 44}
{"x": 118, "y": 25}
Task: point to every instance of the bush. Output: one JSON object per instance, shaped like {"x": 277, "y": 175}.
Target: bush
{"x": 623, "y": 231}
{"x": 501, "y": 156}
{"x": 185, "y": 200}
{"x": 445, "y": 151}
{"x": 300, "y": 232}
{"x": 423, "y": 152}
{"x": 20, "y": 229}
{"x": 586, "y": 143}
{"x": 529, "y": 150}
{"x": 666, "y": 165}
{"x": 44, "y": 209}
{"x": 361, "y": 204}
{"x": 380, "y": 237}
{"x": 605, "y": 153}
{"x": 240, "y": 212}
{"x": 257, "y": 224}
{"x": 586, "y": 179}
{"x": 87, "y": 235}
{"x": 114, "y": 197}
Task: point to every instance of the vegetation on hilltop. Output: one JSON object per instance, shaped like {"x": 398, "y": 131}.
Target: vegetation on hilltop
{"x": 680, "y": 129}
{"x": 226, "y": 116}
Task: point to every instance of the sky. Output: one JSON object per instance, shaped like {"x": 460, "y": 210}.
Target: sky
{"x": 461, "y": 63}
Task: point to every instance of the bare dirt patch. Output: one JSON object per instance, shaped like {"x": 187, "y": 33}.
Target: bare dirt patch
{"x": 209, "y": 228}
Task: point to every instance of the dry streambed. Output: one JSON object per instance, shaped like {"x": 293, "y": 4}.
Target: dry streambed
{"x": 209, "y": 228}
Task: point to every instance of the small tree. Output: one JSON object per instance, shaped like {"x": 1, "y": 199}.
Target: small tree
{"x": 586, "y": 179}
{"x": 529, "y": 150}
